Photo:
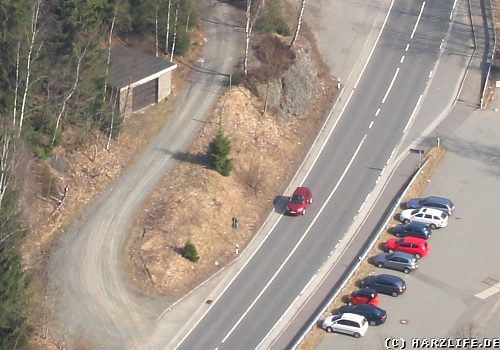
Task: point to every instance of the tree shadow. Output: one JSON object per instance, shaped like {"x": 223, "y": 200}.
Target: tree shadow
{"x": 194, "y": 158}
{"x": 279, "y": 204}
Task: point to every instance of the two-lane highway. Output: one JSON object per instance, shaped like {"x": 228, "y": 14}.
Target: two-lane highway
{"x": 380, "y": 109}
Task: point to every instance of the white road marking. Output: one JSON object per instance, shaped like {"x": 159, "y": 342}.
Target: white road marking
{"x": 371, "y": 124}
{"x": 374, "y": 44}
{"x": 298, "y": 243}
{"x": 489, "y": 291}
{"x": 390, "y": 85}
{"x": 418, "y": 20}
{"x": 402, "y": 59}
{"x": 412, "y": 114}
{"x": 407, "y": 47}
{"x": 377, "y": 112}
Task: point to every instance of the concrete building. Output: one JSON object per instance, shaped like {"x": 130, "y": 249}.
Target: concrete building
{"x": 139, "y": 79}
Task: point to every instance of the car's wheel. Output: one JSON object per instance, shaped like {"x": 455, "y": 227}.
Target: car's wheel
{"x": 433, "y": 226}
{"x": 406, "y": 270}
{"x": 357, "y": 335}
{"x": 406, "y": 221}
{"x": 380, "y": 264}
{"x": 329, "y": 329}
{"x": 418, "y": 256}
{"x": 372, "y": 323}
{"x": 394, "y": 294}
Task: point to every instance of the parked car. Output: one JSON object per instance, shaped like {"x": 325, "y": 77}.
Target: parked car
{"x": 299, "y": 201}
{"x": 397, "y": 261}
{"x": 347, "y": 323}
{"x": 412, "y": 229}
{"x": 365, "y": 295}
{"x": 417, "y": 247}
{"x": 433, "y": 217}
{"x": 384, "y": 283}
{"x": 434, "y": 202}
{"x": 373, "y": 314}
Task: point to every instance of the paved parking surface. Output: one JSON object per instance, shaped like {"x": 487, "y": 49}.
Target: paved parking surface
{"x": 454, "y": 293}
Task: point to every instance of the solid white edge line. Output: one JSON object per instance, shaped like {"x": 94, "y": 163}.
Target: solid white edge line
{"x": 412, "y": 114}
{"x": 299, "y": 242}
{"x": 375, "y": 44}
{"x": 390, "y": 85}
{"x": 418, "y": 20}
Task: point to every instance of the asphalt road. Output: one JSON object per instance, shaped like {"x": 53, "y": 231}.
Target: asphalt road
{"x": 93, "y": 300}
{"x": 455, "y": 292}
{"x": 370, "y": 127}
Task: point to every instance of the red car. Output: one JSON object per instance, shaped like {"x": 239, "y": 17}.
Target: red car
{"x": 411, "y": 245}
{"x": 364, "y": 296}
{"x": 299, "y": 201}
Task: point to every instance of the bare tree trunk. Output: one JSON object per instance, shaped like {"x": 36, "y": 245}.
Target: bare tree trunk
{"x": 187, "y": 21}
{"x": 72, "y": 91}
{"x": 14, "y": 110}
{"x": 175, "y": 33}
{"x": 4, "y": 170}
{"x": 156, "y": 28}
{"x": 247, "y": 37}
{"x": 168, "y": 26}
{"x": 34, "y": 31}
{"x": 108, "y": 60}
{"x": 299, "y": 22}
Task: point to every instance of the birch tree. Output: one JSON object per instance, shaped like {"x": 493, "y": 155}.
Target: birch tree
{"x": 156, "y": 28}
{"x": 69, "y": 95}
{"x": 31, "y": 45}
{"x": 299, "y": 22}
{"x": 248, "y": 30}
{"x": 167, "y": 32}
{"x": 175, "y": 32}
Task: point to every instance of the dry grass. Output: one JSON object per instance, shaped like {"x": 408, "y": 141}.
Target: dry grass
{"x": 433, "y": 158}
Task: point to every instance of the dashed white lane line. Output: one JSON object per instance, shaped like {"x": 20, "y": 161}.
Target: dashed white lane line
{"x": 402, "y": 59}
{"x": 377, "y": 112}
{"x": 488, "y": 292}
{"x": 371, "y": 124}
{"x": 407, "y": 47}
{"x": 391, "y": 84}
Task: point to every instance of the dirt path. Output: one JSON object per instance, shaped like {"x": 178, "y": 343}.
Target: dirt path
{"x": 88, "y": 287}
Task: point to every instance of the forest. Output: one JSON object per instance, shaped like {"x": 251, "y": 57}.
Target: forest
{"x": 54, "y": 65}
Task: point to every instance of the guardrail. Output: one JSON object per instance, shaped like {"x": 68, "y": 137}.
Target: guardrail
{"x": 356, "y": 262}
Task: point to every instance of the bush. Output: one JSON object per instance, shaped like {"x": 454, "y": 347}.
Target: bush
{"x": 219, "y": 150}
{"x": 189, "y": 252}
{"x": 273, "y": 20}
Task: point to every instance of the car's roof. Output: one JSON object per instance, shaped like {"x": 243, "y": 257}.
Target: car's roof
{"x": 400, "y": 254}
{"x": 436, "y": 199}
{"x": 411, "y": 239}
{"x": 352, "y": 317}
{"x": 388, "y": 277}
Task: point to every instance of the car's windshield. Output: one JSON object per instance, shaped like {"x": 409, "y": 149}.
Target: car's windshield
{"x": 297, "y": 199}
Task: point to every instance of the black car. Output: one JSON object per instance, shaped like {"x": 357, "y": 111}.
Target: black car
{"x": 373, "y": 314}
{"x": 413, "y": 229}
{"x": 435, "y": 202}
{"x": 386, "y": 284}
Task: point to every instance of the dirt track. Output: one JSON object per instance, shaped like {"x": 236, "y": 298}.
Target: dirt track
{"x": 88, "y": 287}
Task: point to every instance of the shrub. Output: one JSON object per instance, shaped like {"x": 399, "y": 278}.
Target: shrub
{"x": 219, "y": 150}
{"x": 189, "y": 252}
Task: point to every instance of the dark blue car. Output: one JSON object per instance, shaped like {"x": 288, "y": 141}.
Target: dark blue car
{"x": 412, "y": 229}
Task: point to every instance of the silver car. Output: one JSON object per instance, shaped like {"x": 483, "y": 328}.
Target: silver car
{"x": 397, "y": 261}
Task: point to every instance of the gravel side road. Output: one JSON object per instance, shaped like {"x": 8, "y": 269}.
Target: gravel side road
{"x": 94, "y": 303}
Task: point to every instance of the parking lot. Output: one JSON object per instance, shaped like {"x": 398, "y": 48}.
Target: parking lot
{"x": 455, "y": 293}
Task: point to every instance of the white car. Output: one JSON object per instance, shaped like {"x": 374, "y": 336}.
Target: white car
{"x": 433, "y": 217}
{"x": 347, "y": 323}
